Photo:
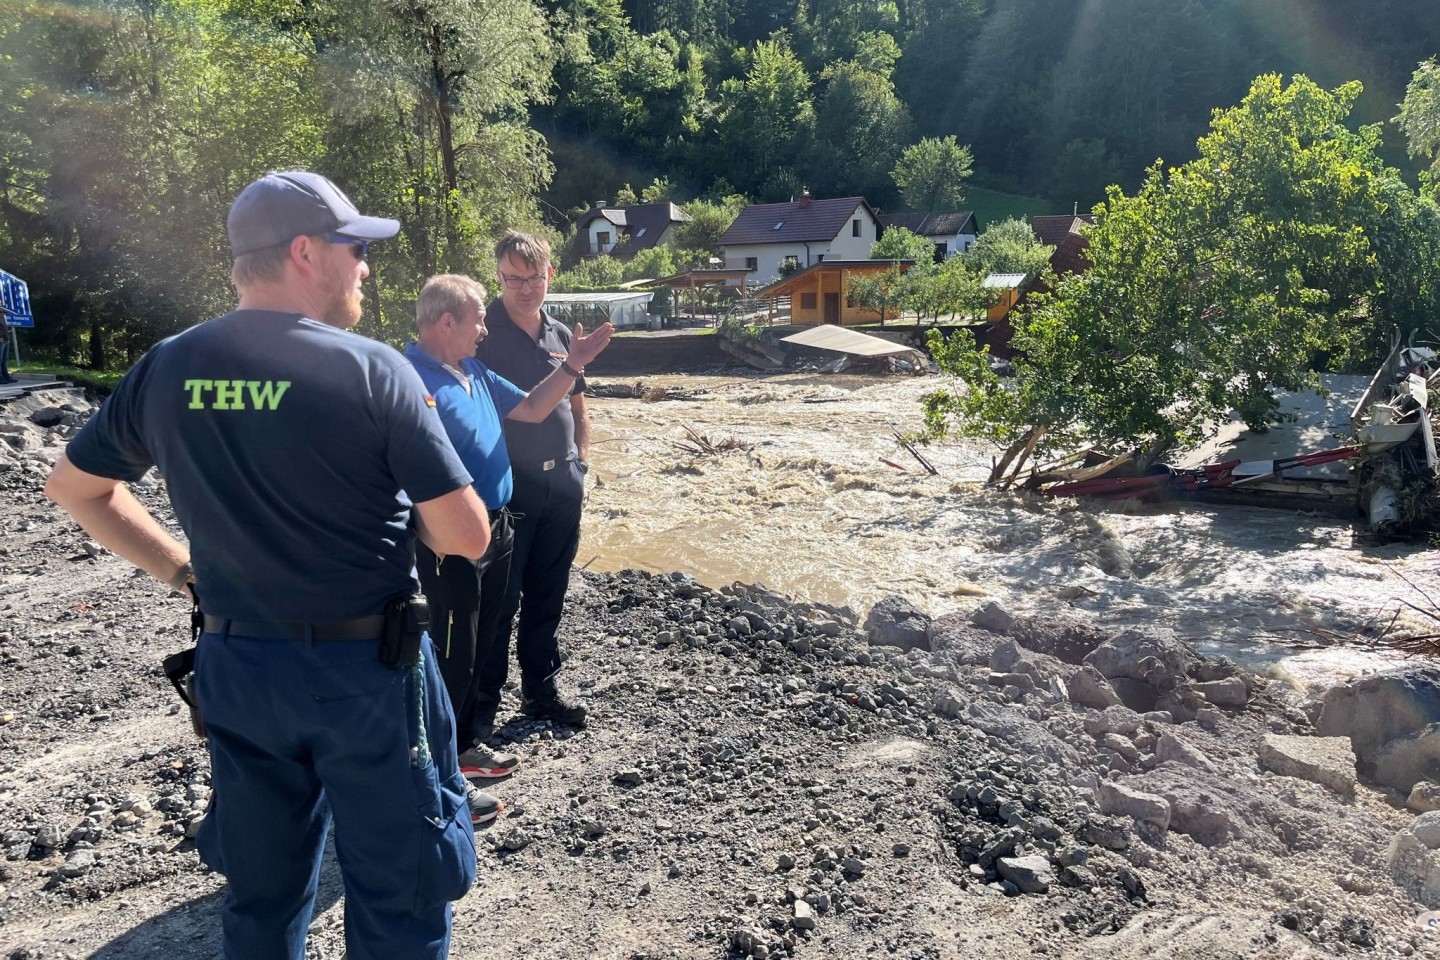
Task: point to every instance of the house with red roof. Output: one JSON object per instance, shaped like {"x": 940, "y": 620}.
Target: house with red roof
{"x": 625, "y": 231}
{"x": 807, "y": 230}
{"x": 1066, "y": 233}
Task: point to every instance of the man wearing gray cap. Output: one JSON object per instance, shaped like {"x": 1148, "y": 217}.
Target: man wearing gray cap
{"x": 297, "y": 457}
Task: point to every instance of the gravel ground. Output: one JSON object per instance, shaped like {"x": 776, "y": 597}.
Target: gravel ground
{"x": 762, "y": 777}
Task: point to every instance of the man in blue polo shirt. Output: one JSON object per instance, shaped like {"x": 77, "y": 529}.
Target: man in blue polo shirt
{"x": 300, "y": 459}
{"x": 466, "y": 598}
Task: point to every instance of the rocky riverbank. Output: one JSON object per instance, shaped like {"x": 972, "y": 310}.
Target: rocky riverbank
{"x": 764, "y": 776}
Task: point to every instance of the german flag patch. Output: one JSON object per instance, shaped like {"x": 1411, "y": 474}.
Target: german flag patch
{"x": 429, "y": 400}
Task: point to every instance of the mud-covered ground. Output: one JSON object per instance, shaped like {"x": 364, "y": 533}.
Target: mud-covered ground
{"x": 758, "y": 779}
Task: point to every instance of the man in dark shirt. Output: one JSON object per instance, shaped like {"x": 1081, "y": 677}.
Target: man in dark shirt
{"x": 297, "y": 456}
{"x": 549, "y": 462}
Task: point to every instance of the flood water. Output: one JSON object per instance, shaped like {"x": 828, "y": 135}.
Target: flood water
{"x": 796, "y": 495}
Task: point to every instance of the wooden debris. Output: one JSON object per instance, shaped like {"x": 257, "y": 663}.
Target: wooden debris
{"x": 929, "y": 467}
{"x": 699, "y": 445}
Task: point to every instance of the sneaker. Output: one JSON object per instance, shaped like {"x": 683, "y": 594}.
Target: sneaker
{"x": 572, "y": 713}
{"x": 483, "y": 807}
{"x": 482, "y": 763}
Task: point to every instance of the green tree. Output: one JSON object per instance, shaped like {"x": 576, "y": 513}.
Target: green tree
{"x": 859, "y": 127}
{"x": 1008, "y": 246}
{"x": 1420, "y": 118}
{"x": 764, "y": 119}
{"x": 951, "y": 289}
{"x": 709, "y": 219}
{"x": 128, "y": 131}
{"x": 1213, "y": 286}
{"x": 931, "y": 174}
{"x": 898, "y": 289}
{"x": 898, "y": 243}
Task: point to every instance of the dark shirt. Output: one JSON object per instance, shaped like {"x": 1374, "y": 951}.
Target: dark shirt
{"x": 292, "y": 452}
{"x": 473, "y": 419}
{"x": 510, "y": 352}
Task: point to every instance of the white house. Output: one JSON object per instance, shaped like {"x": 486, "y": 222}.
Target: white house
{"x": 953, "y": 231}
{"x": 625, "y": 231}
{"x": 808, "y": 230}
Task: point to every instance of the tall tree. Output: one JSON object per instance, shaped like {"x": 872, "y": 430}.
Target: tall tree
{"x": 766, "y": 118}
{"x": 859, "y": 127}
{"x": 1008, "y": 246}
{"x": 1215, "y": 284}
{"x": 1420, "y": 118}
{"x": 931, "y": 174}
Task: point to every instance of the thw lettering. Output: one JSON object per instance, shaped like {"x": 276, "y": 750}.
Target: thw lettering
{"x": 231, "y": 394}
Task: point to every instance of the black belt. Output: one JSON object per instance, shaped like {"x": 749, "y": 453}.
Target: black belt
{"x": 361, "y": 628}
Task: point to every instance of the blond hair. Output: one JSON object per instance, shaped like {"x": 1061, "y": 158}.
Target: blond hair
{"x": 266, "y": 265}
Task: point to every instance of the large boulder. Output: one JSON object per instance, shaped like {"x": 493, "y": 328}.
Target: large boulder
{"x": 1089, "y": 689}
{"x": 1372, "y": 711}
{"x": 1407, "y": 761}
{"x": 1328, "y": 761}
{"x": 1120, "y": 800}
{"x": 1154, "y": 657}
{"x": 896, "y": 622}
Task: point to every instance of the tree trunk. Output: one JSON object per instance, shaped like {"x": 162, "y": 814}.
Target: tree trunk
{"x": 97, "y": 345}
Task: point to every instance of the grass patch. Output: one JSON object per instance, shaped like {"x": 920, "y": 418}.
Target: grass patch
{"x": 99, "y": 381}
{"x": 992, "y": 206}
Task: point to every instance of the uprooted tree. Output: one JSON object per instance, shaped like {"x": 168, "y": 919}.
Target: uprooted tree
{"x": 1217, "y": 284}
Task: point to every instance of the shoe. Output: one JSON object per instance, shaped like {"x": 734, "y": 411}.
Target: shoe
{"x": 483, "y": 807}
{"x": 482, "y": 763}
{"x": 572, "y": 713}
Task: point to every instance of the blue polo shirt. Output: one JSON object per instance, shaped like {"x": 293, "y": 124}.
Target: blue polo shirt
{"x": 473, "y": 420}
{"x": 292, "y": 452}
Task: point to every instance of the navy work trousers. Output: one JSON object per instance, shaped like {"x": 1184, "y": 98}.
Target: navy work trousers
{"x": 303, "y": 732}
{"x": 546, "y": 506}
{"x": 466, "y": 601}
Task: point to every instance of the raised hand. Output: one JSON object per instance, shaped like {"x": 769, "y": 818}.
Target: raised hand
{"x": 584, "y": 348}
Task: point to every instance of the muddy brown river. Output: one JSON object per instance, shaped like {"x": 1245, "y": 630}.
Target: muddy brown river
{"x": 782, "y": 481}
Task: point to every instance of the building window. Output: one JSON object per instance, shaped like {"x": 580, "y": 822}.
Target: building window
{"x": 855, "y": 227}
{"x": 602, "y": 242}
{"x": 819, "y": 258}
{"x": 807, "y": 301}
{"x": 752, "y": 264}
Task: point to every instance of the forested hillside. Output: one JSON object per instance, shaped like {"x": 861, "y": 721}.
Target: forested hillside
{"x": 1056, "y": 99}
{"x": 126, "y": 126}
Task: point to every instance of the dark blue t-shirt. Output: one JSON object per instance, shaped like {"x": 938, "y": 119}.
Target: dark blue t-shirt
{"x": 512, "y": 354}
{"x": 473, "y": 419}
{"x": 292, "y": 451}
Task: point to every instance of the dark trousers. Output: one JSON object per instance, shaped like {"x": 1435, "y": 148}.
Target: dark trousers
{"x": 546, "y": 505}
{"x": 5, "y": 357}
{"x": 466, "y": 600}
{"x": 305, "y": 733}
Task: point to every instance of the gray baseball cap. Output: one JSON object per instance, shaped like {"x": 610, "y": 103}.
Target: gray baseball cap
{"x": 281, "y": 206}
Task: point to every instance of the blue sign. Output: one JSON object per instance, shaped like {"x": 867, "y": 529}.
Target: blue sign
{"x": 15, "y": 298}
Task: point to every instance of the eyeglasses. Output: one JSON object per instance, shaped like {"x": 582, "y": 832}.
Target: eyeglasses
{"x": 523, "y": 283}
{"x": 357, "y": 246}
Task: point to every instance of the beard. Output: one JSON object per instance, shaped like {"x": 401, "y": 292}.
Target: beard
{"x": 342, "y": 304}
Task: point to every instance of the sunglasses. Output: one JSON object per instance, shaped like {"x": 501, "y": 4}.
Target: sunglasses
{"x": 358, "y": 247}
